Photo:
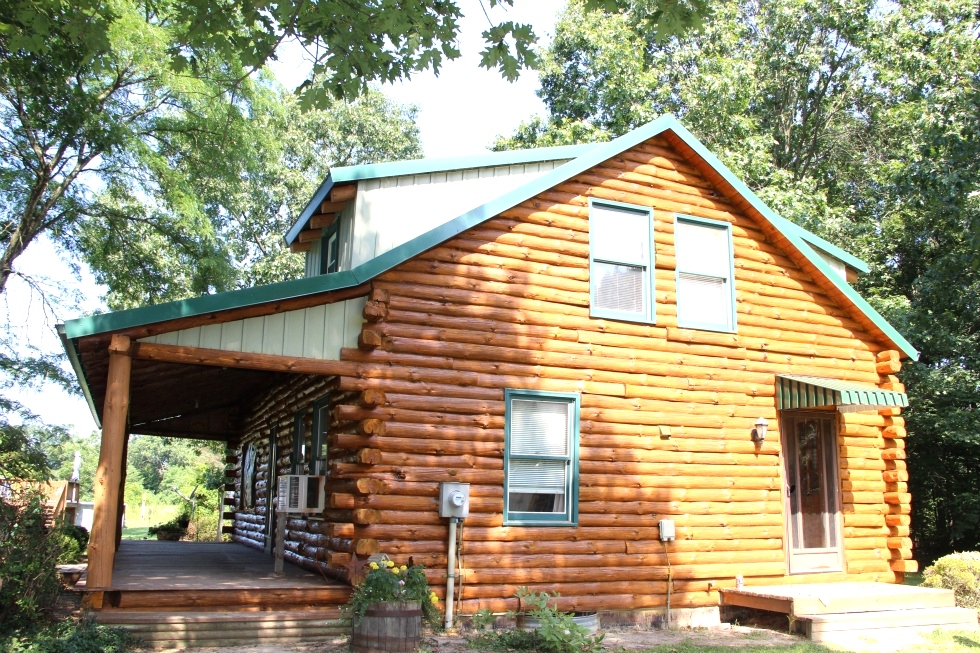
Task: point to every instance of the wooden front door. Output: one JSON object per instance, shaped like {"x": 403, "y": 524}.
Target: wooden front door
{"x": 813, "y": 520}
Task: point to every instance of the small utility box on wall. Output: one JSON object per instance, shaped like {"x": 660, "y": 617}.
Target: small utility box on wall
{"x": 454, "y": 500}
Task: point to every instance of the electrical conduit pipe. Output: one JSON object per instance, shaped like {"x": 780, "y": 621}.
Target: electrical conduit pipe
{"x": 450, "y": 572}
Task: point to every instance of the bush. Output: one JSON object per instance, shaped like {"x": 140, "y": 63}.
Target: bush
{"x": 959, "y": 572}
{"x": 74, "y": 542}
{"x": 203, "y": 527}
{"x": 29, "y": 551}
{"x": 67, "y": 637}
{"x": 178, "y": 524}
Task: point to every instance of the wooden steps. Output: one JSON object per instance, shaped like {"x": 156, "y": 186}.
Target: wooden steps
{"x": 899, "y": 625}
{"x": 170, "y": 630}
{"x": 858, "y": 615}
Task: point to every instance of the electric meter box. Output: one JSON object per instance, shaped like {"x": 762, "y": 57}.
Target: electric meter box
{"x": 667, "y": 533}
{"x": 454, "y": 500}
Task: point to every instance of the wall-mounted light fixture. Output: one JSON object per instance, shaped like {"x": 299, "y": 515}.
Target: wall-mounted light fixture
{"x": 759, "y": 432}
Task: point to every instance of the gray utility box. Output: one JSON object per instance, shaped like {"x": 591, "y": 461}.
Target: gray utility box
{"x": 454, "y": 500}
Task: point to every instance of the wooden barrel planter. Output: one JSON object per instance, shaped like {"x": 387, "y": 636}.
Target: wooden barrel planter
{"x": 392, "y": 627}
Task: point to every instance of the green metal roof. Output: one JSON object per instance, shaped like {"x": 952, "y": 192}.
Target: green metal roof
{"x": 424, "y": 166}
{"x": 589, "y": 157}
{"x": 798, "y": 391}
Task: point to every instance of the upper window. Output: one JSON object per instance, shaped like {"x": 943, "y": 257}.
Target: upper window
{"x": 541, "y": 458}
{"x": 330, "y": 248}
{"x": 705, "y": 291}
{"x": 621, "y": 262}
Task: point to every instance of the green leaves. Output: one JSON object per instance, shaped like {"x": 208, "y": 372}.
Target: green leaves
{"x": 498, "y": 53}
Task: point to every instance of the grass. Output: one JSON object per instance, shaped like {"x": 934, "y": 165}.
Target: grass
{"x": 954, "y": 641}
{"x": 913, "y": 579}
{"x": 135, "y": 533}
{"x": 690, "y": 647}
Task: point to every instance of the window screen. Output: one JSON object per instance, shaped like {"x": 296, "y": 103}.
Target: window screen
{"x": 705, "y": 293}
{"x": 621, "y": 248}
{"x": 541, "y": 465}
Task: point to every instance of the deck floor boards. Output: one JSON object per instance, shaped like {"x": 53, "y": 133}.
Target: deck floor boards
{"x": 150, "y": 565}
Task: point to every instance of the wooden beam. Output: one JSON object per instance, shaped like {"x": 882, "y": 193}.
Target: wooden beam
{"x": 343, "y": 193}
{"x": 310, "y": 235}
{"x": 322, "y": 221}
{"x": 299, "y": 248}
{"x": 241, "y": 360}
{"x": 102, "y": 546}
{"x": 332, "y": 207}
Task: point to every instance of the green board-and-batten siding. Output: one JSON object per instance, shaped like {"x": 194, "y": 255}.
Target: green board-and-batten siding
{"x": 797, "y": 391}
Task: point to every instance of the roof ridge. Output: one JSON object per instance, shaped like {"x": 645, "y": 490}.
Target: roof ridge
{"x": 800, "y": 238}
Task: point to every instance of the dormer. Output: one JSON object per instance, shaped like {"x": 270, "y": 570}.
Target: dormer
{"x": 360, "y": 212}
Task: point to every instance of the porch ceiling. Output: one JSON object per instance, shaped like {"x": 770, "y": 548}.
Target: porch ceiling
{"x": 178, "y": 400}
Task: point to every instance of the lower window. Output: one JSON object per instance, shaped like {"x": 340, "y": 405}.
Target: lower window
{"x": 541, "y": 458}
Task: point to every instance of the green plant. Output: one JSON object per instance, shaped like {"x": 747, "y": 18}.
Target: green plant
{"x": 557, "y": 631}
{"x": 29, "y": 551}
{"x": 483, "y": 619}
{"x": 68, "y": 636}
{"x": 386, "y": 581}
{"x": 74, "y": 541}
{"x": 959, "y": 572}
{"x": 178, "y": 524}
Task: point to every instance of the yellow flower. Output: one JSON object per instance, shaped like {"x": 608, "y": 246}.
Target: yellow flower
{"x": 395, "y": 570}
{"x": 433, "y": 598}
{"x": 373, "y": 565}
{"x": 389, "y": 563}
{"x": 404, "y": 568}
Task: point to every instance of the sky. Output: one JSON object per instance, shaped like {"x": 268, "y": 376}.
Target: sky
{"x": 461, "y": 111}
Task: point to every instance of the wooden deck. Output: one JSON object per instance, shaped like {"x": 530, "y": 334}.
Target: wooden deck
{"x": 148, "y": 574}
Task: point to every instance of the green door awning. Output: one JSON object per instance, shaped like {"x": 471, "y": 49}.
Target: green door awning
{"x": 798, "y": 391}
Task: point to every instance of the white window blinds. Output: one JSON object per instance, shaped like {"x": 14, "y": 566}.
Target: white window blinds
{"x": 704, "y": 287}
{"x": 620, "y": 247}
{"x": 540, "y": 454}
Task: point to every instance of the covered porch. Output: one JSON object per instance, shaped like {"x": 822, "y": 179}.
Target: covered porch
{"x": 149, "y": 575}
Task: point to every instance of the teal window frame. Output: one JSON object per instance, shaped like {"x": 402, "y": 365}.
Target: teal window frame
{"x": 570, "y": 516}
{"x": 649, "y": 315}
{"x": 731, "y": 323}
{"x": 318, "y": 436}
{"x": 328, "y": 233}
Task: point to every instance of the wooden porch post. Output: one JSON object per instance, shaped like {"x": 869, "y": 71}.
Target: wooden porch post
{"x": 105, "y": 520}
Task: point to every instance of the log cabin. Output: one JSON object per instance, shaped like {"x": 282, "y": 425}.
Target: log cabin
{"x": 591, "y": 339}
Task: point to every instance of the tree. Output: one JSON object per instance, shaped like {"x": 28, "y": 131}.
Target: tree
{"x": 204, "y": 208}
{"x": 857, "y": 121}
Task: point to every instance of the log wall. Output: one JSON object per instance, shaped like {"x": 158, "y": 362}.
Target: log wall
{"x": 306, "y": 541}
{"x": 666, "y": 412}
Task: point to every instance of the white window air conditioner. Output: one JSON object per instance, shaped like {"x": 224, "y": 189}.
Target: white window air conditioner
{"x": 300, "y": 493}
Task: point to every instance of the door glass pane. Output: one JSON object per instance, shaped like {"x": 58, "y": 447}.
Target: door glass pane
{"x": 811, "y": 490}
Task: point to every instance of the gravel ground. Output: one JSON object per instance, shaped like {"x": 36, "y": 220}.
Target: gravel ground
{"x": 617, "y": 639}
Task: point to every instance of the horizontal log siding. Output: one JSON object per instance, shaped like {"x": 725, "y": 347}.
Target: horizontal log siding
{"x": 506, "y": 305}
{"x": 306, "y": 542}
